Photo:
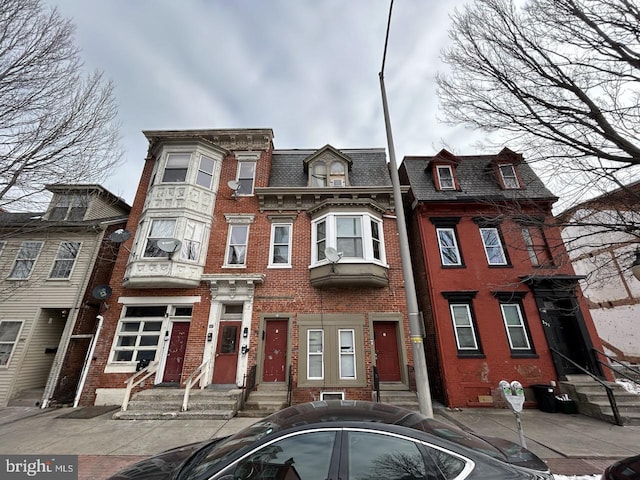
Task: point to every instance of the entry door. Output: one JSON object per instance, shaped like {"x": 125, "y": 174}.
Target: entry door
{"x": 275, "y": 351}
{"x": 386, "y": 344}
{"x": 226, "y": 362}
{"x": 175, "y": 355}
{"x": 563, "y": 334}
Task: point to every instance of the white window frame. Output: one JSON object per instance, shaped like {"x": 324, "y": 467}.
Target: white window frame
{"x": 141, "y": 332}
{"x": 33, "y": 260}
{"x": 6, "y": 359}
{"x": 531, "y": 250}
{"x": 273, "y": 245}
{"x": 164, "y": 255}
{"x": 471, "y": 326}
{"x": 498, "y": 246}
{"x": 179, "y": 159}
{"x": 445, "y": 261}
{"x": 319, "y": 354}
{"x": 204, "y": 172}
{"x": 510, "y": 178}
{"x": 331, "y": 238}
{"x": 71, "y": 202}
{"x": 331, "y": 395}
{"x": 521, "y": 325}
{"x": 192, "y": 241}
{"x": 63, "y": 248}
{"x": 442, "y": 181}
{"x": 347, "y": 353}
{"x": 230, "y": 235}
{"x": 241, "y": 176}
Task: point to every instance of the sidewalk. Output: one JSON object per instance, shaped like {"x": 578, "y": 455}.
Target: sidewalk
{"x": 571, "y": 444}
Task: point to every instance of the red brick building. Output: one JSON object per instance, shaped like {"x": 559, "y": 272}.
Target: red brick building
{"x": 494, "y": 282}
{"x": 240, "y": 256}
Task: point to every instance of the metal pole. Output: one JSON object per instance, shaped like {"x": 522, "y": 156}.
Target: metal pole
{"x": 415, "y": 326}
{"x": 523, "y": 443}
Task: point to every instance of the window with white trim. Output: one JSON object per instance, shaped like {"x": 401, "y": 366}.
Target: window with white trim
{"x": 493, "y": 246}
{"x": 509, "y": 177}
{"x": 65, "y": 260}
{"x": 327, "y": 173}
{"x": 463, "y": 326}
{"x": 204, "y": 176}
{"x": 315, "y": 354}
{"x": 346, "y": 344}
{"x": 445, "y": 177}
{"x": 448, "y": 243}
{"x": 537, "y": 247}
{"x": 25, "y": 260}
{"x": 358, "y": 237}
{"x": 138, "y": 333}
{"x": 280, "y": 249}
{"x": 246, "y": 176}
{"x": 237, "y": 245}
{"x": 9, "y": 331}
{"x": 515, "y": 327}
{"x": 176, "y": 168}
{"x": 160, "y": 229}
{"x": 69, "y": 207}
{"x": 192, "y": 242}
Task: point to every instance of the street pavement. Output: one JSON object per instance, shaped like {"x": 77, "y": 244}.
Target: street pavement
{"x": 570, "y": 444}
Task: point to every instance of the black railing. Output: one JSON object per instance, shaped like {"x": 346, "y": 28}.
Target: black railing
{"x": 248, "y": 385}
{"x": 633, "y": 374}
{"x": 289, "y": 387}
{"x": 411, "y": 378}
{"x": 376, "y": 383}
{"x": 609, "y": 390}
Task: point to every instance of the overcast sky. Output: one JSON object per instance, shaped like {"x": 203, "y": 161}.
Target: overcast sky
{"x": 306, "y": 69}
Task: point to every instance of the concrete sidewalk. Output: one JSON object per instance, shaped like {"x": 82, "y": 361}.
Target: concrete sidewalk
{"x": 571, "y": 444}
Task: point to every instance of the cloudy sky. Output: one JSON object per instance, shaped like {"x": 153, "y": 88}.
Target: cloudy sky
{"x": 306, "y": 69}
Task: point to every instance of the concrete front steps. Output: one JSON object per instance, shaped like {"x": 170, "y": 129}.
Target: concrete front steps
{"x": 399, "y": 395}
{"x": 266, "y": 399}
{"x": 592, "y": 400}
{"x": 166, "y": 404}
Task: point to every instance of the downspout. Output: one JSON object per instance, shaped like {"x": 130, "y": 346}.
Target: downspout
{"x": 66, "y": 335}
{"x": 87, "y": 361}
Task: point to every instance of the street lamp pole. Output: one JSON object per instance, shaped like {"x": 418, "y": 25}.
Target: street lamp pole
{"x": 415, "y": 324}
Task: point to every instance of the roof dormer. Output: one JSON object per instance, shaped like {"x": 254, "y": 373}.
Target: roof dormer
{"x": 505, "y": 167}
{"x": 327, "y": 167}
{"x": 443, "y": 169}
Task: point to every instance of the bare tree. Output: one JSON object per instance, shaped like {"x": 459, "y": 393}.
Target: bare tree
{"x": 558, "y": 78}
{"x": 56, "y": 126}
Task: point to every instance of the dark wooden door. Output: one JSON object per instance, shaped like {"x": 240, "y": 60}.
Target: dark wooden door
{"x": 175, "y": 355}
{"x": 563, "y": 334}
{"x": 275, "y": 351}
{"x": 226, "y": 361}
{"x": 386, "y": 344}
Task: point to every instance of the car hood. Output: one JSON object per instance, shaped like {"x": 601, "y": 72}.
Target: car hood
{"x": 163, "y": 466}
{"x": 517, "y": 455}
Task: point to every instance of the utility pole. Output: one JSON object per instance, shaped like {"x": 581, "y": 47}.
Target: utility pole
{"x": 415, "y": 324}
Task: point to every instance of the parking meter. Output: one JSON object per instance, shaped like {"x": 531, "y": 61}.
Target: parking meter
{"x": 513, "y": 393}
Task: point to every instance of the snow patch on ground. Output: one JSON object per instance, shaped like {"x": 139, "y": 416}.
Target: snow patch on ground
{"x": 579, "y": 477}
{"x": 629, "y": 386}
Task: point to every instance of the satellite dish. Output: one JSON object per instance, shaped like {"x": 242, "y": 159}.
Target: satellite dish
{"x": 169, "y": 245}
{"x": 233, "y": 185}
{"x": 120, "y": 235}
{"x": 332, "y": 254}
{"x": 101, "y": 292}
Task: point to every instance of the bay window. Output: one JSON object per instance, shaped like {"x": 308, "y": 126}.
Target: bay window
{"x": 160, "y": 229}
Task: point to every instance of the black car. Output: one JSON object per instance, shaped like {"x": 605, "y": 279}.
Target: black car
{"x": 344, "y": 440}
{"x": 625, "y": 469}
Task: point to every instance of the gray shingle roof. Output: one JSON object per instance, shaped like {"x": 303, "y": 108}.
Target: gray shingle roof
{"x": 369, "y": 167}
{"x": 477, "y": 181}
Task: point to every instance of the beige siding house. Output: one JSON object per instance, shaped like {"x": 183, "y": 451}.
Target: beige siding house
{"x": 49, "y": 263}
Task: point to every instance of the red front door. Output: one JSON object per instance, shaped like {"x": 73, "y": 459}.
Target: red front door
{"x": 226, "y": 362}
{"x": 386, "y": 344}
{"x": 275, "y": 351}
{"x": 175, "y": 355}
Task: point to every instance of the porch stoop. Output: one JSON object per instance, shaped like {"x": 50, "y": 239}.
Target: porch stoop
{"x": 266, "y": 399}
{"x": 399, "y": 395}
{"x": 592, "y": 401}
{"x": 166, "y": 404}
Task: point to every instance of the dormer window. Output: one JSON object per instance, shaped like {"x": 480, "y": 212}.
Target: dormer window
{"x": 337, "y": 174}
{"x": 445, "y": 177}
{"x": 336, "y": 177}
{"x": 318, "y": 175}
{"x": 69, "y": 207}
{"x": 508, "y": 176}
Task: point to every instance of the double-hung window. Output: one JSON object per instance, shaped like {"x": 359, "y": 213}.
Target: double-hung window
{"x": 357, "y": 237}
{"x": 205, "y": 172}
{"x": 160, "y": 229}
{"x": 25, "y": 260}
{"x": 536, "y": 244}
{"x": 176, "y": 168}
{"x": 463, "y": 326}
{"x": 246, "y": 174}
{"x": 493, "y": 246}
{"x": 69, "y": 207}
{"x": 9, "y": 331}
{"x": 315, "y": 354}
{"x": 346, "y": 343}
{"x": 280, "y": 252}
{"x": 449, "y": 252}
{"x": 445, "y": 177}
{"x": 349, "y": 236}
{"x": 192, "y": 242}
{"x": 64, "y": 261}
{"x": 237, "y": 245}
{"x": 515, "y": 327}
{"x": 509, "y": 177}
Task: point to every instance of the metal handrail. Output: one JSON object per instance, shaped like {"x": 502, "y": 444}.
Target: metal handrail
{"x": 615, "y": 370}
{"x": 191, "y": 381}
{"x": 411, "y": 378}
{"x": 247, "y": 386}
{"x": 131, "y": 382}
{"x": 290, "y": 387}
{"x": 610, "y": 396}
{"x": 376, "y": 383}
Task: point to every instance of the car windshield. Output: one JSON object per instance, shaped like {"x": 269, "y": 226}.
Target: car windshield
{"x": 202, "y": 463}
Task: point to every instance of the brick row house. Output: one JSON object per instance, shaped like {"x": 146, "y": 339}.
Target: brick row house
{"x": 239, "y": 257}
{"x": 494, "y": 282}
{"x": 50, "y": 264}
